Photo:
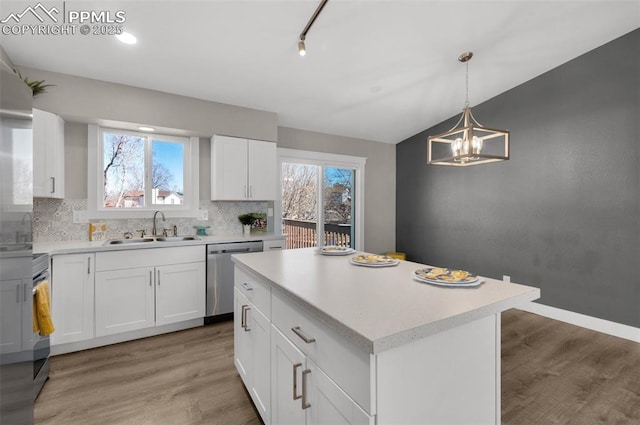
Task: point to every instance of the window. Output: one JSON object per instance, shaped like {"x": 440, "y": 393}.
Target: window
{"x": 141, "y": 172}
{"x": 322, "y": 202}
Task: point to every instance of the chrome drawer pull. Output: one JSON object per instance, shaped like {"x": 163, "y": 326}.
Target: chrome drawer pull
{"x": 243, "y": 318}
{"x": 295, "y": 381}
{"x": 246, "y": 323}
{"x": 247, "y": 287}
{"x": 302, "y": 336}
{"x": 305, "y": 404}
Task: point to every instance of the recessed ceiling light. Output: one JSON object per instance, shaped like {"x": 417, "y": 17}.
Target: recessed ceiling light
{"x": 127, "y": 38}
{"x": 146, "y": 128}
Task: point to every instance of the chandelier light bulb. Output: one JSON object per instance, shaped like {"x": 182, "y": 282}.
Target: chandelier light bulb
{"x": 301, "y": 48}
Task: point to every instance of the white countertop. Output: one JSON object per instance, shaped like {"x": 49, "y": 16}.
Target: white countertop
{"x": 379, "y": 308}
{"x": 74, "y": 247}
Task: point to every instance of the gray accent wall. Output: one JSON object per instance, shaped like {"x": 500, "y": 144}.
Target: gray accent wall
{"x": 563, "y": 214}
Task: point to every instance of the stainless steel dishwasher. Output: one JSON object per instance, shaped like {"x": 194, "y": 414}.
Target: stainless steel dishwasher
{"x": 220, "y": 277}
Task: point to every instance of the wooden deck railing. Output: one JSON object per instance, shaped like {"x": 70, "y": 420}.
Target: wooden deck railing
{"x": 302, "y": 234}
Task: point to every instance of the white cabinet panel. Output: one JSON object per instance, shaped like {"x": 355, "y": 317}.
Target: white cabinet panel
{"x": 287, "y": 364}
{"x": 252, "y": 352}
{"x": 180, "y": 292}
{"x": 229, "y": 168}
{"x": 243, "y": 169}
{"x": 124, "y": 300}
{"x": 262, "y": 170}
{"x": 241, "y": 338}
{"x": 260, "y": 330}
{"x": 329, "y": 404}
{"x": 48, "y": 155}
{"x": 11, "y": 306}
{"x": 72, "y": 297}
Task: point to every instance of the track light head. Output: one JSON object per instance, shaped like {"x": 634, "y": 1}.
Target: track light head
{"x": 302, "y": 50}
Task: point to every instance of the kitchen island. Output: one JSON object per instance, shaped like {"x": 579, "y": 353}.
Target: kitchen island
{"x": 319, "y": 340}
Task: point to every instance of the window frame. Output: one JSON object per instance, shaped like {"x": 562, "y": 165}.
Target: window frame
{"x": 95, "y": 167}
{"x": 325, "y": 160}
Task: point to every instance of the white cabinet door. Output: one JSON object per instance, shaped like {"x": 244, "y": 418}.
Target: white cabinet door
{"x": 124, "y": 300}
{"x": 263, "y": 173}
{"x": 329, "y": 405}
{"x": 243, "y": 169}
{"x": 260, "y": 330}
{"x": 287, "y": 364}
{"x": 241, "y": 338}
{"x": 180, "y": 292}
{"x": 72, "y": 280}
{"x": 11, "y": 311}
{"x": 228, "y": 168}
{"x": 48, "y": 155}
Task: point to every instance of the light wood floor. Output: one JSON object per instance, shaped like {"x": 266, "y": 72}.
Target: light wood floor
{"x": 552, "y": 373}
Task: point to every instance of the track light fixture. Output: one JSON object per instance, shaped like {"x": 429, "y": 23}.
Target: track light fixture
{"x": 302, "y": 49}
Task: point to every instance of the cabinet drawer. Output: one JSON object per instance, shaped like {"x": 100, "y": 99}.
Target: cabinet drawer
{"x": 347, "y": 365}
{"x": 131, "y": 258}
{"x": 256, "y": 291}
{"x": 273, "y": 244}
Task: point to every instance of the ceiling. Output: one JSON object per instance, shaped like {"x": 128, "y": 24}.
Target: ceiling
{"x": 375, "y": 70}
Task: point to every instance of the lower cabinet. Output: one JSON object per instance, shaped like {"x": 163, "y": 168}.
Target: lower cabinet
{"x": 303, "y": 394}
{"x": 112, "y": 292}
{"x": 285, "y": 383}
{"x": 125, "y": 300}
{"x": 72, "y": 296}
{"x": 135, "y": 298}
{"x": 180, "y": 292}
{"x": 252, "y": 348}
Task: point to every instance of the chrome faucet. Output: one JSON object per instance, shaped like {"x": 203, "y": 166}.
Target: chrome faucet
{"x": 154, "y": 230}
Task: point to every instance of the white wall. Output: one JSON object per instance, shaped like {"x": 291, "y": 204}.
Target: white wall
{"x": 81, "y": 100}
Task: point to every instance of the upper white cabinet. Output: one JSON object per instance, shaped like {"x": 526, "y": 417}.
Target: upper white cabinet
{"x": 48, "y": 155}
{"x": 242, "y": 169}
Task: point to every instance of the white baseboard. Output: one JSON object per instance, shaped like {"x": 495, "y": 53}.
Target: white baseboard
{"x": 600, "y": 325}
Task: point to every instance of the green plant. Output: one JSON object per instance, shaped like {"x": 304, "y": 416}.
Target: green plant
{"x": 37, "y": 87}
{"x": 246, "y": 219}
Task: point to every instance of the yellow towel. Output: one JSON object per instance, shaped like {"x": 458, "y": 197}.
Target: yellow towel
{"x": 41, "y": 309}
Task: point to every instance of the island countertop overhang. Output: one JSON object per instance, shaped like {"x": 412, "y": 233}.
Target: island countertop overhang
{"x": 378, "y": 308}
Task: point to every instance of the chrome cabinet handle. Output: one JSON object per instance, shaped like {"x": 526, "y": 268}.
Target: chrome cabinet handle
{"x": 158, "y": 277}
{"x": 302, "y": 336}
{"x": 25, "y": 292}
{"x": 295, "y": 381}
{"x": 246, "y": 321}
{"x": 243, "y": 321}
{"x": 18, "y": 294}
{"x": 246, "y": 287}
{"x": 53, "y": 184}
{"x": 88, "y": 265}
{"x": 150, "y": 278}
{"x": 305, "y": 404}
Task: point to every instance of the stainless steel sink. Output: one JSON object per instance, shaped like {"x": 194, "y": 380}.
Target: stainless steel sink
{"x": 175, "y": 238}
{"x": 150, "y": 239}
{"x": 15, "y": 247}
{"x": 127, "y": 241}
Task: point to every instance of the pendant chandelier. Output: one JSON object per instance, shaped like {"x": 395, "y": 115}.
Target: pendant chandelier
{"x": 468, "y": 142}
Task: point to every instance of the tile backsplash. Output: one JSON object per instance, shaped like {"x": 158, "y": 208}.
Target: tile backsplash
{"x": 53, "y": 220}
